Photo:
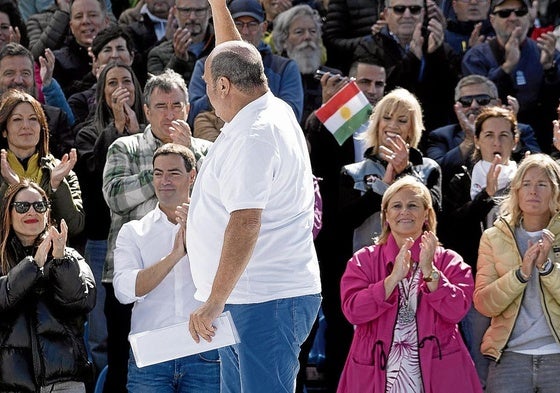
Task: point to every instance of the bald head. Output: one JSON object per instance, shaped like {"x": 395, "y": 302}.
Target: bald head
{"x": 239, "y": 62}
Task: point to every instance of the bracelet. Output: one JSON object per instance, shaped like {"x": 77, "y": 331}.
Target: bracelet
{"x": 521, "y": 277}
{"x": 546, "y": 267}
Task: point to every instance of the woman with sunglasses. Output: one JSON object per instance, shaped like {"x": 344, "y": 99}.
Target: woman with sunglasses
{"x": 46, "y": 291}
{"x": 25, "y": 154}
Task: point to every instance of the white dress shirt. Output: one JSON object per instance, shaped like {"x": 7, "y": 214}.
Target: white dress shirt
{"x": 140, "y": 244}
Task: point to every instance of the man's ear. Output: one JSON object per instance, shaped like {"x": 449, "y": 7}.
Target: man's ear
{"x": 146, "y": 110}
{"x": 224, "y": 85}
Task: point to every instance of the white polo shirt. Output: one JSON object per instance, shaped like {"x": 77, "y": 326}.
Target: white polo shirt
{"x": 259, "y": 161}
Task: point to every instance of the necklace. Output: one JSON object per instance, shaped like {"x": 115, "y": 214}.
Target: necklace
{"x": 406, "y": 314}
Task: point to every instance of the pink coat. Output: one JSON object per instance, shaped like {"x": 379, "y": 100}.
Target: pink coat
{"x": 445, "y": 362}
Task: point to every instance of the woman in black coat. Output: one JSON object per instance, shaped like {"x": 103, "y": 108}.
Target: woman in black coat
{"x": 46, "y": 291}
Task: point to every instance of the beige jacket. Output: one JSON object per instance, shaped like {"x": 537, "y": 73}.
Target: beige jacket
{"x": 498, "y": 292}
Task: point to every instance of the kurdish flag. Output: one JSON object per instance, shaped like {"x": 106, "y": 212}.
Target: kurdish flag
{"x": 345, "y": 112}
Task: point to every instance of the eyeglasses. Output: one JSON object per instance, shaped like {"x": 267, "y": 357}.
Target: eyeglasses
{"x": 23, "y": 207}
{"x": 400, "y": 9}
{"x": 195, "y": 11}
{"x": 506, "y": 12}
{"x": 481, "y": 99}
{"x": 251, "y": 26}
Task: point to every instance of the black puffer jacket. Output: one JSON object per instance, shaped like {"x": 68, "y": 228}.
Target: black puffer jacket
{"x": 42, "y": 319}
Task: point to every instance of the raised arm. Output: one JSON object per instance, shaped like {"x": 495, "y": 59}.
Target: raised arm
{"x": 224, "y": 28}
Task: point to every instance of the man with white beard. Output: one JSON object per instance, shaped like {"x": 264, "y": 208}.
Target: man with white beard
{"x": 297, "y": 35}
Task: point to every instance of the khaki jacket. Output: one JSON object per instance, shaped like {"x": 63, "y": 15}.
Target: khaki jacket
{"x": 498, "y": 292}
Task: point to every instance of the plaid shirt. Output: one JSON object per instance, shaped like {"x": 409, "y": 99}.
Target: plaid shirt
{"x": 127, "y": 183}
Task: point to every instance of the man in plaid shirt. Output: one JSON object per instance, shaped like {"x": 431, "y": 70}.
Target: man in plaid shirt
{"x": 129, "y": 193}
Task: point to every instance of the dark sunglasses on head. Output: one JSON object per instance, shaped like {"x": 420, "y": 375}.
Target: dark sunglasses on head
{"x": 506, "y": 12}
{"x": 23, "y": 207}
{"x": 481, "y": 99}
{"x": 400, "y": 9}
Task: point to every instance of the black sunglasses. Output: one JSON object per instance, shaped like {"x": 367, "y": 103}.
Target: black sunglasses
{"x": 400, "y": 9}
{"x": 481, "y": 99}
{"x": 506, "y": 12}
{"x": 23, "y": 207}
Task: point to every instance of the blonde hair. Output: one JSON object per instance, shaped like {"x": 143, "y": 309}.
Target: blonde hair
{"x": 397, "y": 101}
{"x": 420, "y": 190}
{"x": 510, "y": 205}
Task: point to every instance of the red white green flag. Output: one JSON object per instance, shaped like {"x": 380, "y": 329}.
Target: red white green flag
{"x": 345, "y": 112}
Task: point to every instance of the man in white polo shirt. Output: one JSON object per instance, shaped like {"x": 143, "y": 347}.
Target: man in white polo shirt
{"x": 249, "y": 230}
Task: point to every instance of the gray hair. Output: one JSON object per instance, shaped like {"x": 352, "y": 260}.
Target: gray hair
{"x": 241, "y": 63}
{"x": 476, "y": 80}
{"x": 166, "y": 82}
{"x": 284, "y": 20}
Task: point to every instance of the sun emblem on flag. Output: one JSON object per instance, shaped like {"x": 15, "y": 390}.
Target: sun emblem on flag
{"x": 345, "y": 112}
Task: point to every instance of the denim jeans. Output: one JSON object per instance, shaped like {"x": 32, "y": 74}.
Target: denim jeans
{"x": 198, "y": 373}
{"x": 518, "y": 373}
{"x": 95, "y": 256}
{"x": 271, "y": 334}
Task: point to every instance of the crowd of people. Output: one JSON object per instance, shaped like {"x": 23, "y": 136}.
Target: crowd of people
{"x": 162, "y": 162}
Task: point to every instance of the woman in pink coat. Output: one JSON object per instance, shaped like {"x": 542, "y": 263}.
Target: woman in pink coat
{"x": 405, "y": 294}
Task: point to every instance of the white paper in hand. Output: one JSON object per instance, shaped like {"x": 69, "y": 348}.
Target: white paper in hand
{"x": 175, "y": 341}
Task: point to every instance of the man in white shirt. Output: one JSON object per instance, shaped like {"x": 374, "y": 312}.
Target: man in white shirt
{"x": 152, "y": 271}
{"x": 250, "y": 223}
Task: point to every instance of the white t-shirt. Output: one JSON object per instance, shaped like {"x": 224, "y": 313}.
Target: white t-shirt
{"x": 259, "y": 161}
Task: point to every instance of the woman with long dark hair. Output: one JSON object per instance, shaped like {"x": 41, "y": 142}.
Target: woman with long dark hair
{"x": 46, "y": 291}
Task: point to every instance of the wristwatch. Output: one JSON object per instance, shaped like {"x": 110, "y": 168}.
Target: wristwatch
{"x": 432, "y": 276}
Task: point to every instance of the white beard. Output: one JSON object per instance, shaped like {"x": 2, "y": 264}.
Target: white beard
{"x": 307, "y": 56}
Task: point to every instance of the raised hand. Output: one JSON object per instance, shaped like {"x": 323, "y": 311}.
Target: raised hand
{"x": 182, "y": 39}
{"x": 513, "y": 52}
{"x": 537, "y": 253}
{"x": 402, "y": 261}
{"x": 428, "y": 245}
{"x": 47, "y": 67}
{"x": 493, "y": 175}
{"x": 117, "y": 103}
{"x": 331, "y": 84}
{"x": 417, "y": 41}
{"x": 59, "y": 239}
{"x": 379, "y": 24}
{"x": 397, "y": 154}
{"x": 63, "y": 168}
{"x": 6, "y": 170}
{"x": 181, "y": 133}
{"x": 476, "y": 38}
{"x": 547, "y": 44}
{"x": 435, "y": 39}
